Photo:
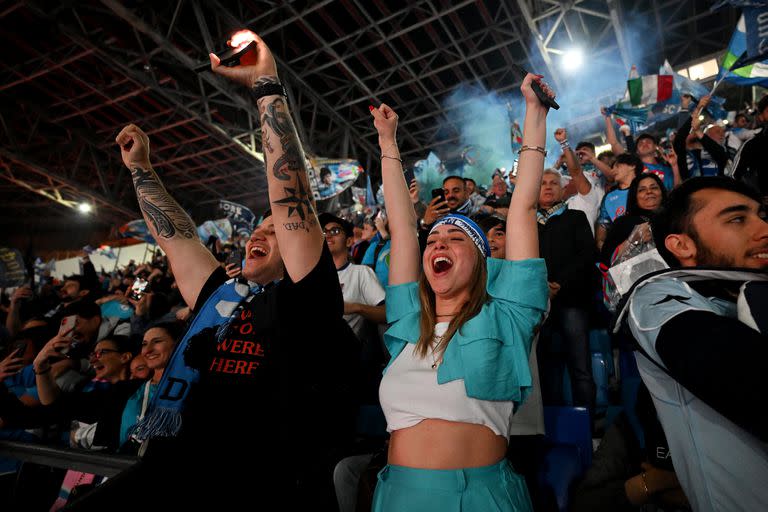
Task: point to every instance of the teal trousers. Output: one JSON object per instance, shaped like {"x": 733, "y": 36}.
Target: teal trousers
{"x": 483, "y": 489}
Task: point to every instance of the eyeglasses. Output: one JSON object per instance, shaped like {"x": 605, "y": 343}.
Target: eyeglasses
{"x": 333, "y": 231}
{"x": 96, "y": 354}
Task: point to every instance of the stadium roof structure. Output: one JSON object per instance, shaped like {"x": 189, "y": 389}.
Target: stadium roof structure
{"x": 73, "y": 73}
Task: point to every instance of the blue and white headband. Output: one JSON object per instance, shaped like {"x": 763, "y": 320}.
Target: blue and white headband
{"x": 469, "y": 227}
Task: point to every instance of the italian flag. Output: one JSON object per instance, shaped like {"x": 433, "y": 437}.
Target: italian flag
{"x": 650, "y": 89}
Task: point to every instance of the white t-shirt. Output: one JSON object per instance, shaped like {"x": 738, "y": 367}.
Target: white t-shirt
{"x": 360, "y": 285}
{"x": 588, "y": 203}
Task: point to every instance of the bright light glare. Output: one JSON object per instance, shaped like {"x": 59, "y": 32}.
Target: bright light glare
{"x": 572, "y": 59}
{"x": 84, "y": 208}
{"x": 241, "y": 38}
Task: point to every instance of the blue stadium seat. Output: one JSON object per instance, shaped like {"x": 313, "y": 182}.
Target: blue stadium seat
{"x": 600, "y": 342}
{"x": 630, "y": 383}
{"x": 569, "y": 452}
{"x": 570, "y": 425}
{"x": 601, "y": 376}
{"x": 560, "y": 468}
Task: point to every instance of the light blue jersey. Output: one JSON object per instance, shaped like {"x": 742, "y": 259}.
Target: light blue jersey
{"x": 720, "y": 466}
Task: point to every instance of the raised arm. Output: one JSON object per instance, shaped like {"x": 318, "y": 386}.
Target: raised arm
{"x": 297, "y": 229}
{"x": 583, "y": 186}
{"x": 405, "y": 254}
{"x": 522, "y": 230}
{"x": 610, "y": 134}
{"x": 174, "y": 231}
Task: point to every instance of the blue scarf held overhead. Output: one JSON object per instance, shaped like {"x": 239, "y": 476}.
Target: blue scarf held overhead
{"x": 164, "y": 416}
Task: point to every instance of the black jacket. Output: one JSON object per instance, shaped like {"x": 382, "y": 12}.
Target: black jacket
{"x": 749, "y": 162}
{"x": 568, "y": 248}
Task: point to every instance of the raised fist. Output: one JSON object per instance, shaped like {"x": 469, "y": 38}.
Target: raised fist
{"x": 134, "y": 147}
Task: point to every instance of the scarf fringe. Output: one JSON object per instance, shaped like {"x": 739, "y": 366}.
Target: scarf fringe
{"x": 161, "y": 422}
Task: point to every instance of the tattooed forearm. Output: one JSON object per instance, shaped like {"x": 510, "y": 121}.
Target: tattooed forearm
{"x": 277, "y": 119}
{"x": 285, "y": 157}
{"x": 166, "y": 218}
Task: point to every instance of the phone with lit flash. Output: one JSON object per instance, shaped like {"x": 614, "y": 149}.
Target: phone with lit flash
{"x": 139, "y": 288}
{"x": 229, "y": 58}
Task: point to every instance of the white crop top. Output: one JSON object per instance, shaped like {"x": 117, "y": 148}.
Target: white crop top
{"x": 409, "y": 393}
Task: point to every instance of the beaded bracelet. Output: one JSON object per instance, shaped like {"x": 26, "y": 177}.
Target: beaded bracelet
{"x": 645, "y": 483}
{"x": 541, "y": 150}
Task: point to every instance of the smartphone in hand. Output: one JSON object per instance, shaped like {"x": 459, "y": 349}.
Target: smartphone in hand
{"x": 139, "y": 288}
{"x": 438, "y": 192}
{"x": 235, "y": 258}
{"x": 409, "y": 176}
{"x": 65, "y": 329}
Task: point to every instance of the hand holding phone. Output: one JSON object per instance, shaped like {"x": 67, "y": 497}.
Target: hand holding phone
{"x": 537, "y": 89}
{"x": 139, "y": 288}
{"x": 66, "y": 328}
{"x": 438, "y": 192}
{"x": 235, "y": 258}
{"x": 230, "y": 57}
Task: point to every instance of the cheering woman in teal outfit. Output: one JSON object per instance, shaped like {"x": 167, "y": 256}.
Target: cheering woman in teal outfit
{"x": 460, "y": 336}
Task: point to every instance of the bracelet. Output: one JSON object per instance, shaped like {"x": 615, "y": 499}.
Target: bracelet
{"x": 43, "y": 372}
{"x": 565, "y": 145}
{"x": 541, "y": 150}
{"x": 392, "y": 158}
{"x": 387, "y": 148}
{"x": 645, "y": 483}
{"x": 268, "y": 89}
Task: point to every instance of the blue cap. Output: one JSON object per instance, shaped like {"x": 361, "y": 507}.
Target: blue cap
{"x": 468, "y": 226}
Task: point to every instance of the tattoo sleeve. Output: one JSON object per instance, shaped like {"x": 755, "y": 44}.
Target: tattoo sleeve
{"x": 285, "y": 158}
{"x": 166, "y": 218}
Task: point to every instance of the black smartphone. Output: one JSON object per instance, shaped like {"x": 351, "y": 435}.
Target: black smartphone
{"x": 543, "y": 98}
{"x": 409, "y": 176}
{"x": 230, "y": 58}
{"x": 438, "y": 192}
{"x": 235, "y": 258}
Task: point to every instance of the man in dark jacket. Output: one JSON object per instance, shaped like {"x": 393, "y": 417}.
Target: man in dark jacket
{"x": 749, "y": 162}
{"x": 567, "y": 246}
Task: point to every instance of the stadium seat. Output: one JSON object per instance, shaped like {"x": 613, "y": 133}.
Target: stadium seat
{"x": 560, "y": 468}
{"x": 600, "y": 342}
{"x": 601, "y": 375}
{"x": 571, "y": 426}
{"x": 630, "y": 382}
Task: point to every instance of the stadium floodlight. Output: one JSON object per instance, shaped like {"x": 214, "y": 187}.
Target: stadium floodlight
{"x": 572, "y": 59}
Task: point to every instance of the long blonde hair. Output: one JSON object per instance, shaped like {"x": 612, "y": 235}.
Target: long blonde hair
{"x": 478, "y": 296}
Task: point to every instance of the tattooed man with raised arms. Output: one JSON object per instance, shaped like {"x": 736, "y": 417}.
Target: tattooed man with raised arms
{"x": 265, "y": 361}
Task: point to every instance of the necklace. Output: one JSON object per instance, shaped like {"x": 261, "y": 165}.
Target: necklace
{"x": 438, "y": 342}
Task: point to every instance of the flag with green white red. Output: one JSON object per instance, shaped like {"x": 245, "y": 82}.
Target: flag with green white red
{"x": 650, "y": 89}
